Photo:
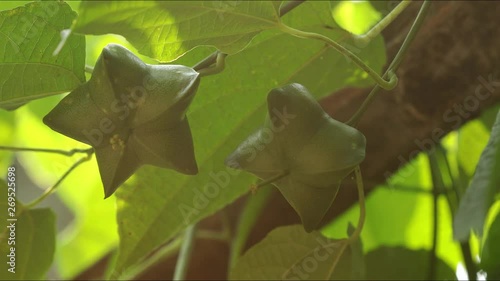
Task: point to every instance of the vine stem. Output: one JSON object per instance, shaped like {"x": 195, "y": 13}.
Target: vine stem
{"x": 382, "y": 24}
{"x": 362, "y": 205}
{"x": 437, "y": 185}
{"x": 345, "y": 243}
{"x": 396, "y": 62}
{"x": 212, "y": 58}
{"x": 217, "y": 68}
{"x": 46, "y": 150}
{"x": 388, "y": 85}
{"x": 361, "y": 221}
{"x": 89, "y": 69}
{"x": 185, "y": 253}
{"x": 51, "y": 189}
{"x": 253, "y": 209}
{"x": 255, "y": 187}
{"x": 452, "y": 205}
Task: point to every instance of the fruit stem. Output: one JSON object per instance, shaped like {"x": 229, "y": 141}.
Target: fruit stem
{"x": 255, "y": 187}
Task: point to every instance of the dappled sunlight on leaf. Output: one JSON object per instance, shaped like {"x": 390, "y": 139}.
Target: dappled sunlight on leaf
{"x": 355, "y": 16}
{"x": 167, "y": 30}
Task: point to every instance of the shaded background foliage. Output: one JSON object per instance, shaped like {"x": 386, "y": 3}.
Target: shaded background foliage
{"x": 456, "y": 50}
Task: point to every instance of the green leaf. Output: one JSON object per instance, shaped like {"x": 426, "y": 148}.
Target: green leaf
{"x": 472, "y": 138}
{"x": 289, "y": 253}
{"x": 489, "y": 115}
{"x": 490, "y": 256}
{"x": 220, "y": 118}
{"x": 28, "y": 70}
{"x": 29, "y": 251}
{"x": 7, "y": 138}
{"x": 166, "y": 30}
{"x": 409, "y": 192}
{"x": 93, "y": 231}
{"x": 398, "y": 263}
{"x": 480, "y": 194}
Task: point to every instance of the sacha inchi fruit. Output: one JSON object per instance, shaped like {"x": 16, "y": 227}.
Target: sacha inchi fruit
{"x": 305, "y": 156}
{"x": 131, "y": 113}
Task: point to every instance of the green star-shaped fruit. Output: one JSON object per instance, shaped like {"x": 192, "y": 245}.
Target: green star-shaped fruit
{"x": 302, "y": 150}
{"x": 133, "y": 114}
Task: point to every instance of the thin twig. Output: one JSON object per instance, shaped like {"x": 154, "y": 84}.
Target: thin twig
{"x": 213, "y": 235}
{"x": 185, "y": 253}
{"x": 51, "y": 189}
{"x": 437, "y": 185}
{"x": 465, "y": 248}
{"x": 48, "y": 150}
{"x": 168, "y": 250}
{"x": 388, "y": 85}
{"x": 220, "y": 63}
{"x": 396, "y": 62}
{"x": 362, "y": 206}
{"x": 382, "y": 24}
{"x": 454, "y": 183}
{"x": 89, "y": 69}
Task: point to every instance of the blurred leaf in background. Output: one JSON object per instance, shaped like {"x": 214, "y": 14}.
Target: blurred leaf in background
{"x": 356, "y": 17}
{"x": 490, "y": 257}
{"x": 34, "y": 242}
{"x": 480, "y": 195}
{"x": 289, "y": 253}
{"x": 399, "y": 214}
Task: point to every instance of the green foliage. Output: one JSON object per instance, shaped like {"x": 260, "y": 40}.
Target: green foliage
{"x": 33, "y": 245}
{"x": 166, "y": 30}
{"x": 355, "y": 16}
{"x": 155, "y": 205}
{"x": 92, "y": 231}
{"x": 491, "y": 251}
{"x": 175, "y": 200}
{"x": 482, "y": 190}
{"x": 392, "y": 263}
{"x": 36, "y": 234}
{"x": 399, "y": 214}
{"x": 30, "y": 34}
{"x": 288, "y": 253}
